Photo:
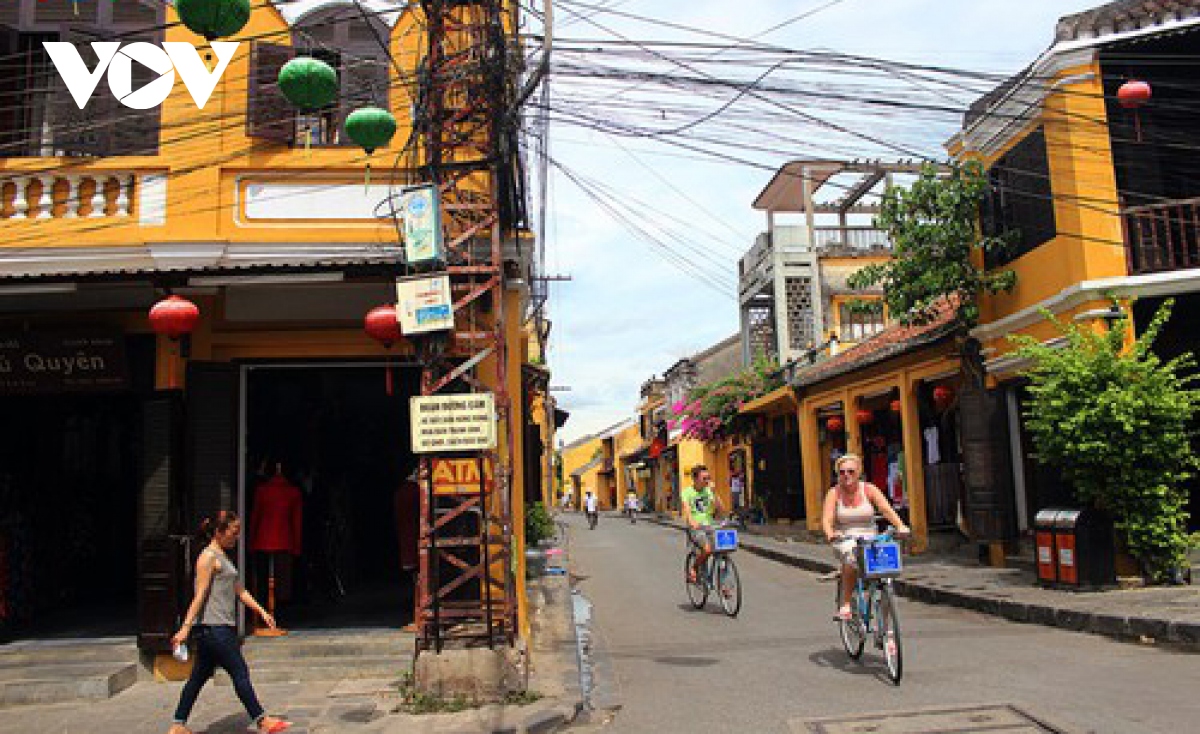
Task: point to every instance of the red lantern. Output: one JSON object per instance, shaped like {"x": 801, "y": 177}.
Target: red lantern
{"x": 174, "y": 317}
{"x": 835, "y": 425}
{"x": 382, "y": 324}
{"x": 895, "y": 406}
{"x": 865, "y": 417}
{"x": 942, "y": 396}
{"x": 1133, "y": 94}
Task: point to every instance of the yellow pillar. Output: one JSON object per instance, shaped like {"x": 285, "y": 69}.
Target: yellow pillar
{"x": 853, "y": 433}
{"x": 812, "y": 461}
{"x": 914, "y": 468}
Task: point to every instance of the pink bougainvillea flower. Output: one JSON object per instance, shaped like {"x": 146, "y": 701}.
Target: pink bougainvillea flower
{"x": 678, "y": 407}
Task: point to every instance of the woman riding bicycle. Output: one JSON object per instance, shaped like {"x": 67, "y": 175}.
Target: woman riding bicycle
{"x": 849, "y": 514}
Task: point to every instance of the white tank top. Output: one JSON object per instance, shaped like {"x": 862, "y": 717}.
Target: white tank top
{"x": 857, "y": 520}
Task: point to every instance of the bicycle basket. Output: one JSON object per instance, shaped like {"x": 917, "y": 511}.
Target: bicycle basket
{"x": 725, "y": 539}
{"x": 879, "y": 560}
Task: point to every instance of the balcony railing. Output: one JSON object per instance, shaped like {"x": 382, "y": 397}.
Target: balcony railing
{"x": 55, "y": 196}
{"x": 1162, "y": 237}
{"x": 852, "y": 238}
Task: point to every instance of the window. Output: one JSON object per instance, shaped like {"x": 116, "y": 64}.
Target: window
{"x": 38, "y": 116}
{"x": 339, "y": 37}
{"x": 855, "y": 324}
{"x": 1020, "y": 199}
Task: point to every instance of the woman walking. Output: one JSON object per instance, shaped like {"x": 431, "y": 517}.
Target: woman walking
{"x": 211, "y": 622}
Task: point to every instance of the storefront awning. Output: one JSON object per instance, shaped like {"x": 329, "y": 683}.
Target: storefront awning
{"x": 641, "y": 453}
{"x": 779, "y": 400}
{"x": 587, "y": 467}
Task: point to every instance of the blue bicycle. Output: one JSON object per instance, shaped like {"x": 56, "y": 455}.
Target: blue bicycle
{"x": 873, "y": 603}
{"x": 719, "y": 575}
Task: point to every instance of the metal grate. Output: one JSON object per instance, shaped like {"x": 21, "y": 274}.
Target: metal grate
{"x": 801, "y": 331}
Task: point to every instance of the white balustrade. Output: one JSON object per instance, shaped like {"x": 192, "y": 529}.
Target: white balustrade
{"x": 110, "y": 192}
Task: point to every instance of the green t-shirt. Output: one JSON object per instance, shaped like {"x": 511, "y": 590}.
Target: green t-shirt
{"x": 701, "y": 503}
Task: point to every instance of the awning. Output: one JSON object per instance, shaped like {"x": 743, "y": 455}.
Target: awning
{"x": 641, "y": 453}
{"x": 587, "y": 467}
{"x": 779, "y": 400}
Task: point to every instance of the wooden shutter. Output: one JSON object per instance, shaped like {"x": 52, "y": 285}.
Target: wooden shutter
{"x": 161, "y": 574}
{"x": 87, "y": 131}
{"x": 364, "y": 83}
{"x": 269, "y": 115}
{"x": 212, "y": 438}
{"x": 13, "y": 82}
{"x": 135, "y": 132}
{"x": 987, "y": 464}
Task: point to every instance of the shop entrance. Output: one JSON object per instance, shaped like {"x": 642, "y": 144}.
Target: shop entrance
{"x": 326, "y": 454}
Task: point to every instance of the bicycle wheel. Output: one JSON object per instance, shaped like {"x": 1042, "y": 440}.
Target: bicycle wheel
{"x": 854, "y": 637}
{"x": 889, "y": 629}
{"x": 729, "y": 586}
{"x": 697, "y": 591}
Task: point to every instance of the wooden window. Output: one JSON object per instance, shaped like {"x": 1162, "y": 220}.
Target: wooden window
{"x": 855, "y": 325}
{"x": 1020, "y": 199}
{"x": 269, "y": 115}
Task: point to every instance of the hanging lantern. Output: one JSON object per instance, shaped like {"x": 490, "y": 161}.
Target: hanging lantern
{"x": 213, "y": 18}
{"x": 942, "y": 396}
{"x": 309, "y": 84}
{"x": 1132, "y": 95}
{"x": 370, "y": 128}
{"x": 174, "y": 317}
{"x": 895, "y": 406}
{"x": 865, "y": 417}
{"x": 383, "y": 325}
{"x": 835, "y": 425}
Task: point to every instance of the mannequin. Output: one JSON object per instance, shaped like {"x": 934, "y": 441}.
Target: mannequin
{"x": 276, "y": 524}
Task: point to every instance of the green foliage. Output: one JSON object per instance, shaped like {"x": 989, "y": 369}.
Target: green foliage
{"x": 710, "y": 412}
{"x": 415, "y": 702}
{"x": 538, "y": 524}
{"x": 1115, "y": 419}
{"x": 932, "y": 226}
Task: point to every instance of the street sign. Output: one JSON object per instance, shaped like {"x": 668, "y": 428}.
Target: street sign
{"x": 461, "y": 476}
{"x": 420, "y": 209}
{"x": 443, "y": 423}
{"x": 424, "y": 305}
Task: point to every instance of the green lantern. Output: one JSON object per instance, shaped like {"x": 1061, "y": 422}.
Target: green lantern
{"x": 371, "y": 128}
{"x": 213, "y": 18}
{"x": 308, "y": 83}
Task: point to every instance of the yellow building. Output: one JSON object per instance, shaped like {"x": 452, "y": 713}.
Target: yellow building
{"x": 261, "y": 216}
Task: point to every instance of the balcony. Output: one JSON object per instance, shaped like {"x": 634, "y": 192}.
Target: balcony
{"x": 852, "y": 239}
{"x": 74, "y": 196}
{"x": 1162, "y": 237}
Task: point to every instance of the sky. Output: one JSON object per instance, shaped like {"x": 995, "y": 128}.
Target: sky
{"x": 629, "y": 313}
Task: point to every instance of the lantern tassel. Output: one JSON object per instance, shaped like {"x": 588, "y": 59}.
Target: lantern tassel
{"x": 1137, "y": 125}
{"x": 367, "y": 182}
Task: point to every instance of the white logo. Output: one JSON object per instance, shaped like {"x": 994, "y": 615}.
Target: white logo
{"x": 172, "y": 57}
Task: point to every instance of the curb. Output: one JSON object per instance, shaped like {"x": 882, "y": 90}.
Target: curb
{"x": 1184, "y": 635}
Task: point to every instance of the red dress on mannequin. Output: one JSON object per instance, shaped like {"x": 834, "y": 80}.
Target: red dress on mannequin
{"x": 276, "y": 521}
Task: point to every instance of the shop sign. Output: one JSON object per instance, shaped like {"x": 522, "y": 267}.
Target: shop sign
{"x": 420, "y": 210}
{"x": 443, "y": 423}
{"x": 461, "y": 476}
{"x": 424, "y": 304}
{"x": 33, "y": 363}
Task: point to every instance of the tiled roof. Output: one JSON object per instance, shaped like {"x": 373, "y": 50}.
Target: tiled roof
{"x": 890, "y": 342}
{"x": 1123, "y": 15}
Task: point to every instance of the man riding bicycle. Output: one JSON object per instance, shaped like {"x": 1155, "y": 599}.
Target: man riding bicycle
{"x": 699, "y": 503}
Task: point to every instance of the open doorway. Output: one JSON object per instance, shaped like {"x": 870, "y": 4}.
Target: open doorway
{"x": 335, "y": 435}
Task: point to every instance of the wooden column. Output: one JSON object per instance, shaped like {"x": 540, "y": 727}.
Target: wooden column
{"x": 811, "y": 459}
{"x": 914, "y": 468}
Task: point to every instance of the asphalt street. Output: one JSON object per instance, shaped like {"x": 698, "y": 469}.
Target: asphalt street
{"x": 779, "y": 667}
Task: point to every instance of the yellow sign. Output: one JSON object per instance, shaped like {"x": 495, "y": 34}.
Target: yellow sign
{"x": 446, "y": 423}
{"x": 461, "y": 476}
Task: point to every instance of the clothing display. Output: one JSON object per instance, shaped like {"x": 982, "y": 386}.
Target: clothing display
{"x": 933, "y": 454}
{"x": 276, "y": 522}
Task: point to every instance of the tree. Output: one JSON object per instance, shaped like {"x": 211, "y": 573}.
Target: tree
{"x": 933, "y": 229}
{"x": 1116, "y": 420}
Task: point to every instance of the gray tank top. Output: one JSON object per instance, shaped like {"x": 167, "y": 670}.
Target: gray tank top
{"x": 858, "y": 520}
{"x": 220, "y": 608}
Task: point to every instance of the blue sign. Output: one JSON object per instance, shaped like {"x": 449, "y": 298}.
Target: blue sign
{"x": 726, "y": 540}
{"x": 882, "y": 559}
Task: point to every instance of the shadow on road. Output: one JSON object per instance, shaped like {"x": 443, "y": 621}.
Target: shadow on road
{"x": 686, "y": 661}
{"x": 837, "y": 659}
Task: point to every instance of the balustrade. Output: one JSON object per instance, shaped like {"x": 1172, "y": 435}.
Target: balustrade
{"x": 91, "y": 195}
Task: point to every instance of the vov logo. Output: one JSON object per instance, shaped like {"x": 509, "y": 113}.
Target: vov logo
{"x": 174, "y": 56}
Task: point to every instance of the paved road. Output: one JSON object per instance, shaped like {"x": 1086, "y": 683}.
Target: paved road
{"x": 779, "y": 665}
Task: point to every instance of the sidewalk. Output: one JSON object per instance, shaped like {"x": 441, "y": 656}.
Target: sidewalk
{"x": 347, "y": 706}
{"x": 1159, "y": 615}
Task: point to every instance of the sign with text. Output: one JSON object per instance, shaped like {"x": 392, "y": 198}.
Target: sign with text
{"x": 33, "y": 363}
{"x": 424, "y": 304}
{"x": 442, "y": 423}
{"x": 420, "y": 210}
{"x": 167, "y": 60}
{"x": 461, "y": 476}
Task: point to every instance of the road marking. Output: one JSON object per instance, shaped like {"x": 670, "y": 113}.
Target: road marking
{"x": 1003, "y": 719}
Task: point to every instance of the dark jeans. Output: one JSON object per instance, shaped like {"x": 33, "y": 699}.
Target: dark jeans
{"x": 217, "y": 647}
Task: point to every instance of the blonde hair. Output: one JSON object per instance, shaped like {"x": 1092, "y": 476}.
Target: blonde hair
{"x": 848, "y": 457}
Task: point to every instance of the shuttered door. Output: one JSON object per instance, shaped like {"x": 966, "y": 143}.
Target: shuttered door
{"x": 987, "y": 465}
{"x": 364, "y": 84}
{"x": 212, "y": 439}
{"x": 794, "y": 475}
{"x": 161, "y": 583}
{"x": 87, "y": 131}
{"x": 269, "y": 116}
